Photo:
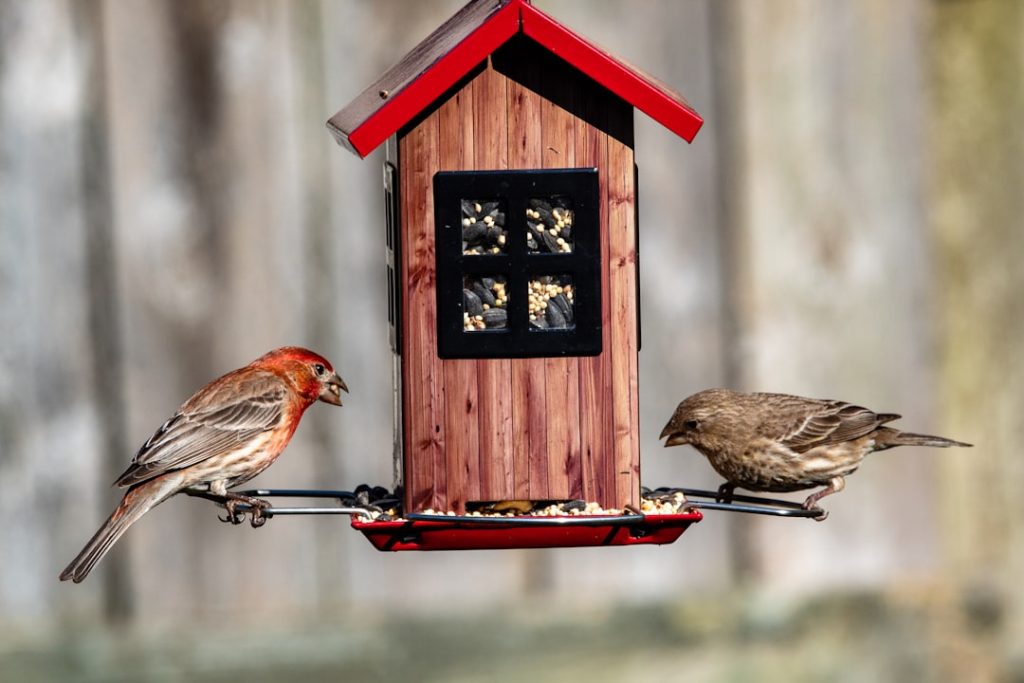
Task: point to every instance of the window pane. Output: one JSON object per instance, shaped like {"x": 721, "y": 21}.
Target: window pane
{"x": 550, "y": 225}
{"x": 552, "y": 303}
{"x": 484, "y": 303}
{"x": 483, "y": 226}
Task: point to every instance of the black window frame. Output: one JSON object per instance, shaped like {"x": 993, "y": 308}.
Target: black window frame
{"x": 583, "y": 264}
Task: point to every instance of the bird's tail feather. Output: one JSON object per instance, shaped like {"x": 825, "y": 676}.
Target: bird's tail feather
{"x": 136, "y": 502}
{"x": 894, "y": 437}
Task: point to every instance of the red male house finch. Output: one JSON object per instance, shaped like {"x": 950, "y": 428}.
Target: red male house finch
{"x": 780, "y": 443}
{"x": 228, "y": 432}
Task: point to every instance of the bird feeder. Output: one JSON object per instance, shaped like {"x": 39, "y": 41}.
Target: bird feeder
{"x": 512, "y": 272}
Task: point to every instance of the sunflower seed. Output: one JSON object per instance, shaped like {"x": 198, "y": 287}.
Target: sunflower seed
{"x": 493, "y": 233}
{"x": 555, "y": 317}
{"x": 550, "y": 242}
{"x": 473, "y": 233}
{"x": 471, "y": 303}
{"x": 564, "y": 307}
{"x": 496, "y": 318}
{"x": 486, "y": 295}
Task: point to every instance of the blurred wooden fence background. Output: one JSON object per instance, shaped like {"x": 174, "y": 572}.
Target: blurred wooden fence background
{"x": 848, "y": 224}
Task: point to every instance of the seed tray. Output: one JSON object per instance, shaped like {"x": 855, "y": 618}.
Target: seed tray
{"x": 458, "y": 532}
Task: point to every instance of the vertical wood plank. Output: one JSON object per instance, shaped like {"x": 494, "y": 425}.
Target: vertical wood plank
{"x": 497, "y": 465}
{"x": 622, "y": 262}
{"x": 529, "y": 427}
{"x": 561, "y": 374}
{"x": 461, "y": 445}
{"x": 425, "y": 466}
{"x": 594, "y": 377}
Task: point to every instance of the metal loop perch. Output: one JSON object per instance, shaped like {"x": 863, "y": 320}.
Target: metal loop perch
{"x": 347, "y": 500}
{"x": 711, "y": 500}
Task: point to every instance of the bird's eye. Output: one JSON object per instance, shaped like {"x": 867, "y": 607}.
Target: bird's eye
{"x": 691, "y": 424}
{"x": 319, "y": 369}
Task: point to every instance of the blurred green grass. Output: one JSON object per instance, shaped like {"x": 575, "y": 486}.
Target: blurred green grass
{"x": 922, "y": 634}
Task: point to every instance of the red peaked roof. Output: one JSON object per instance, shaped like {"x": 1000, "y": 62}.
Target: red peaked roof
{"x": 465, "y": 40}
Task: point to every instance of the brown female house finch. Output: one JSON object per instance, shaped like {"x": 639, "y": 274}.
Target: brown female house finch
{"x": 780, "y": 443}
{"x": 228, "y": 432}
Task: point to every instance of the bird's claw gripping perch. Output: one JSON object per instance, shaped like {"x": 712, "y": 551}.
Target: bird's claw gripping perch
{"x": 725, "y": 493}
{"x": 255, "y": 509}
{"x": 811, "y": 504}
{"x": 233, "y": 516}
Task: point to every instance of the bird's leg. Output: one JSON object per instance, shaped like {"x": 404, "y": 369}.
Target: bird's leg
{"x": 201, "y": 493}
{"x": 218, "y": 495}
{"x": 835, "y": 485}
{"x": 725, "y": 492}
{"x": 256, "y": 508}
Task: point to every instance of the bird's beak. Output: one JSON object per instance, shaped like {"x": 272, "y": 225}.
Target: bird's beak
{"x": 674, "y": 438}
{"x": 332, "y": 390}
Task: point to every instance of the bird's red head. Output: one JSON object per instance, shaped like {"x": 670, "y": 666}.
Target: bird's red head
{"x": 311, "y": 374}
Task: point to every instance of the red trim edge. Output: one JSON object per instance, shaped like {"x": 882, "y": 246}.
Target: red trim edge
{"x": 442, "y": 75}
{"x": 469, "y": 533}
{"x": 612, "y": 74}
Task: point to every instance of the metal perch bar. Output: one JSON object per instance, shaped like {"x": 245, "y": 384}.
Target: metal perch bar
{"x": 710, "y": 500}
{"x": 697, "y": 498}
{"x": 345, "y": 498}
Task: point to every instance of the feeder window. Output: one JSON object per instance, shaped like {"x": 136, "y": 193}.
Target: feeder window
{"x": 550, "y": 225}
{"x": 484, "y": 302}
{"x": 551, "y": 303}
{"x": 518, "y": 263}
{"x": 483, "y": 227}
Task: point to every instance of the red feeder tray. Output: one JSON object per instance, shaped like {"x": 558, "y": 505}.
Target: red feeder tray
{"x": 448, "y": 532}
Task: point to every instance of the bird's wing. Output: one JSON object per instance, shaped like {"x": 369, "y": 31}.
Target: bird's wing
{"x": 821, "y": 423}
{"x": 214, "y": 421}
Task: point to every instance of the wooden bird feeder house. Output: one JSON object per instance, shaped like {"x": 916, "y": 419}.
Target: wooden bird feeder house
{"x": 512, "y": 268}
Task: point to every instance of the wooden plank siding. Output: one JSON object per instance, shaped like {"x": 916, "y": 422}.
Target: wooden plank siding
{"x": 423, "y": 376}
{"x": 562, "y": 403}
{"x": 528, "y": 385}
{"x": 621, "y": 296}
{"x": 497, "y": 466}
{"x": 536, "y": 428}
{"x": 457, "y": 139}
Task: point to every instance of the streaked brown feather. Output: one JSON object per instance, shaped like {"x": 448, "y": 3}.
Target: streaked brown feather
{"x": 215, "y": 420}
{"x": 805, "y": 423}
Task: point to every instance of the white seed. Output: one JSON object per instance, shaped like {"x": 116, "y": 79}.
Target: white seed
{"x": 466, "y": 222}
{"x": 477, "y": 208}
